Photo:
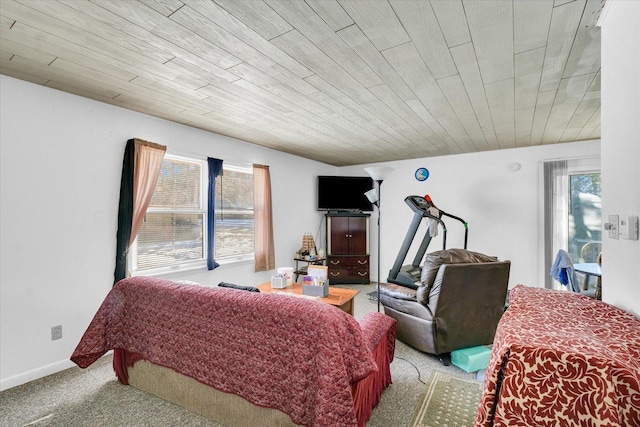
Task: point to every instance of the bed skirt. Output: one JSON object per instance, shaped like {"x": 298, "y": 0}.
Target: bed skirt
{"x": 235, "y": 411}
{"x": 226, "y": 408}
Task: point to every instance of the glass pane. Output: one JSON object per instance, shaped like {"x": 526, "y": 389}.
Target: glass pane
{"x": 234, "y": 191}
{"x": 234, "y": 213}
{"x": 178, "y": 185}
{"x": 234, "y": 234}
{"x": 167, "y": 239}
{"x": 585, "y": 217}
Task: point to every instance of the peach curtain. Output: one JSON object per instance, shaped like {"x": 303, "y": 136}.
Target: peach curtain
{"x": 147, "y": 162}
{"x": 140, "y": 166}
{"x": 263, "y": 216}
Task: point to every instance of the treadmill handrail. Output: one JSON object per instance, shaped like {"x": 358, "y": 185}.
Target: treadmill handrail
{"x": 406, "y": 244}
{"x": 466, "y": 226}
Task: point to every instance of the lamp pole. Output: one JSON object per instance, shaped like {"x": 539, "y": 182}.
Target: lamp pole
{"x": 378, "y": 174}
{"x": 378, "y": 204}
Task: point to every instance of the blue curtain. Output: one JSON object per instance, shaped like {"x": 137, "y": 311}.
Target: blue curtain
{"x": 215, "y": 169}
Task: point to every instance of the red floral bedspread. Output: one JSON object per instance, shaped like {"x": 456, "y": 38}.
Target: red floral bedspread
{"x": 562, "y": 359}
{"x": 296, "y": 355}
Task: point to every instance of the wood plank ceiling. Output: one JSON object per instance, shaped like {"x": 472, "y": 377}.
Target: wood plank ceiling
{"x": 339, "y": 81}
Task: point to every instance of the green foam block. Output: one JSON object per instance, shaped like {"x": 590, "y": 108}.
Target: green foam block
{"x": 471, "y": 359}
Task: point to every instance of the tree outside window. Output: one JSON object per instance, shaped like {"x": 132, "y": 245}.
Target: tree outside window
{"x": 585, "y": 217}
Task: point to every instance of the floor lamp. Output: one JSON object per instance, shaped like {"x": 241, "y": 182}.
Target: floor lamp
{"x": 378, "y": 174}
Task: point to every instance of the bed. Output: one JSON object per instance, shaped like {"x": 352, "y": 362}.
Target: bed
{"x": 306, "y": 362}
{"x": 562, "y": 359}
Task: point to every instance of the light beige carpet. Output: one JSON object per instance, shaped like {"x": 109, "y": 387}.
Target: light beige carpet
{"x": 447, "y": 401}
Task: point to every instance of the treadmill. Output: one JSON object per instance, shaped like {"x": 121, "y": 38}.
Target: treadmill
{"x": 409, "y": 275}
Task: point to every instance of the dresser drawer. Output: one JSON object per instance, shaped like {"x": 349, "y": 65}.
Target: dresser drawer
{"x": 348, "y": 269}
{"x": 345, "y": 275}
{"x": 348, "y": 261}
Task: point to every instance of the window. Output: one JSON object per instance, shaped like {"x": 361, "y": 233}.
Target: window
{"x": 573, "y": 218}
{"x": 173, "y": 233}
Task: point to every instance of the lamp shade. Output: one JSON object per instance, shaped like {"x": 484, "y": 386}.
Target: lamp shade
{"x": 378, "y": 173}
{"x": 372, "y": 195}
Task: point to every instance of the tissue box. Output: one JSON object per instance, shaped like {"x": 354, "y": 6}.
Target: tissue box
{"x": 315, "y": 291}
{"x": 471, "y": 359}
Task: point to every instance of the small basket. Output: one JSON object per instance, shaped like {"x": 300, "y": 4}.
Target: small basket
{"x": 315, "y": 291}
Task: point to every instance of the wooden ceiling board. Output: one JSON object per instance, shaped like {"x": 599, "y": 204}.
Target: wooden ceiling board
{"x": 166, "y": 30}
{"x": 541, "y": 115}
{"x": 80, "y": 24}
{"x": 355, "y": 38}
{"x": 164, "y": 7}
{"x": 465, "y": 59}
{"x": 409, "y": 65}
{"x": 562, "y": 32}
{"x": 56, "y": 77}
{"x": 256, "y": 15}
{"x": 531, "y": 24}
{"x": 444, "y": 143}
{"x": 338, "y": 81}
{"x": 501, "y": 99}
{"x": 586, "y": 44}
{"x": 594, "y": 120}
{"x": 316, "y": 30}
{"x": 219, "y": 19}
{"x": 309, "y": 54}
{"x": 331, "y": 12}
{"x": 568, "y": 98}
{"x": 528, "y": 69}
{"x": 491, "y": 28}
{"x": 378, "y": 21}
{"x": 456, "y": 94}
{"x": 36, "y": 53}
{"x": 452, "y": 21}
{"x": 421, "y": 24}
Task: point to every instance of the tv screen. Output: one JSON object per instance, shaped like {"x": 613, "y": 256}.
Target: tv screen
{"x": 344, "y": 193}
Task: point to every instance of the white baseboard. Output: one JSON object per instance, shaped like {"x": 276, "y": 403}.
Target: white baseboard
{"x": 25, "y": 377}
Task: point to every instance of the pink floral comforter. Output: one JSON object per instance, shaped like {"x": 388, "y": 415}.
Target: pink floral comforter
{"x": 562, "y": 359}
{"x": 296, "y": 355}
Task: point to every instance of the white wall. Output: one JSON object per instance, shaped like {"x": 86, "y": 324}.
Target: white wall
{"x": 620, "y": 32}
{"x": 502, "y": 208}
{"x": 61, "y": 159}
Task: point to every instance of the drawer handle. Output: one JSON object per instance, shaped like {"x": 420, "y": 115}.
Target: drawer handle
{"x": 335, "y": 274}
{"x": 335, "y": 262}
{"x": 362, "y": 274}
{"x": 362, "y": 262}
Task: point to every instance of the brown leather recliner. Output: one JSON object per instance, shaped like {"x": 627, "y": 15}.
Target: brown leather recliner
{"x": 458, "y": 303}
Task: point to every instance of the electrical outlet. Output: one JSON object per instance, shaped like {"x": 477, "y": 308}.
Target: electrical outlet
{"x": 56, "y": 332}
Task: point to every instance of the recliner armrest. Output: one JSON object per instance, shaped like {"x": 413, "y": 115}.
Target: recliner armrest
{"x": 398, "y": 291}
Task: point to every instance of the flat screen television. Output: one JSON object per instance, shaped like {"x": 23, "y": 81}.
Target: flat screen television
{"x": 344, "y": 193}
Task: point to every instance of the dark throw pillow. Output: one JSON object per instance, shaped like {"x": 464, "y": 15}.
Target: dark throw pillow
{"x": 240, "y": 287}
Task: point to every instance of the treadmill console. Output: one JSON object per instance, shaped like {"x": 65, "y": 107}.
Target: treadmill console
{"x": 418, "y": 203}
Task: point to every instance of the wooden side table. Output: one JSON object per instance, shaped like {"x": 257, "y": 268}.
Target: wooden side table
{"x": 302, "y": 269}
